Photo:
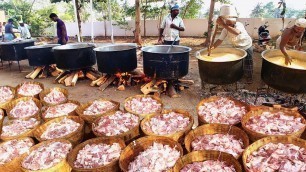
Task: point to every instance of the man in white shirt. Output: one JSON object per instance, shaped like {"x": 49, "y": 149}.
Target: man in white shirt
{"x": 170, "y": 27}
{"x": 24, "y": 31}
{"x": 236, "y": 33}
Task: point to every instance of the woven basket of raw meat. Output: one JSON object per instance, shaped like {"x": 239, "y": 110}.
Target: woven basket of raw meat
{"x": 221, "y": 110}
{"x": 98, "y": 154}
{"x": 19, "y": 128}
{"x": 47, "y": 156}
{"x": 23, "y": 108}
{"x": 207, "y": 161}
{"x": 150, "y": 154}
{"x": 118, "y": 124}
{"x": 97, "y": 108}
{"x": 218, "y": 137}
{"x": 65, "y": 109}
{"x": 143, "y": 105}
{"x": 11, "y": 152}
{"x": 174, "y": 124}
{"x": 70, "y": 128}
{"x": 1, "y": 119}
{"x": 264, "y": 121}
{"x": 7, "y": 94}
{"x": 276, "y": 153}
{"x": 53, "y": 96}
{"x": 29, "y": 89}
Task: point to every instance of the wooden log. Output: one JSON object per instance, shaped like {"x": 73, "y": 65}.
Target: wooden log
{"x": 171, "y": 91}
{"x": 186, "y": 81}
{"x": 94, "y": 83}
{"x": 91, "y": 76}
{"x": 107, "y": 83}
{"x": 75, "y": 79}
{"x": 28, "y": 75}
{"x": 62, "y": 80}
{"x": 81, "y": 74}
{"x": 61, "y": 75}
{"x": 148, "y": 88}
{"x": 43, "y": 73}
{"x": 121, "y": 88}
{"x": 103, "y": 80}
{"x": 36, "y": 72}
{"x": 158, "y": 82}
{"x": 68, "y": 80}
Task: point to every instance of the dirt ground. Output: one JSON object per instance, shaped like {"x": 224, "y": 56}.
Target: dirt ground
{"x": 84, "y": 93}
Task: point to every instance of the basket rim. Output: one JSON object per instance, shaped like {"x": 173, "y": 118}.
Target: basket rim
{"x": 45, "y": 92}
{"x": 14, "y": 102}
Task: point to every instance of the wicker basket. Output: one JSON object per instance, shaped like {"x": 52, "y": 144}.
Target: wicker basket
{"x": 201, "y": 156}
{"x": 216, "y": 129}
{"x": 215, "y": 98}
{"x": 127, "y": 136}
{"x": 3, "y": 105}
{"x": 12, "y": 104}
{"x": 44, "y": 93}
{"x": 91, "y": 118}
{"x": 257, "y": 111}
{"x": 113, "y": 166}
{"x": 14, "y": 164}
{"x": 274, "y": 139}
{"x": 140, "y": 145}
{"x": 74, "y": 137}
{"x": 178, "y": 136}
{"x": 73, "y": 113}
{"x": 1, "y": 120}
{"x": 143, "y": 115}
{"x": 62, "y": 166}
{"x": 25, "y": 134}
{"x": 29, "y": 82}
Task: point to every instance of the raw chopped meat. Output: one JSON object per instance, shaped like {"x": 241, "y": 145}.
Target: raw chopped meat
{"x": 99, "y": 107}
{"x": 222, "y": 111}
{"x": 6, "y": 94}
{"x": 167, "y": 123}
{"x": 24, "y": 109}
{"x": 60, "y": 129}
{"x": 117, "y": 123}
{"x": 156, "y": 158}
{"x": 13, "y": 149}
{"x": 95, "y": 155}
{"x": 28, "y": 89}
{"x": 59, "y": 110}
{"x": 275, "y": 123}
{"x": 277, "y": 157}
{"x": 143, "y": 105}
{"x": 208, "y": 166}
{"x": 219, "y": 142}
{"x": 46, "y": 156}
{"x": 55, "y": 97}
{"x": 17, "y": 127}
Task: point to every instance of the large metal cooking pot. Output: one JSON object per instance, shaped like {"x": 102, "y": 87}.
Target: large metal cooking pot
{"x": 166, "y": 62}
{"x": 74, "y": 56}
{"x": 116, "y": 58}
{"x": 41, "y": 55}
{"x": 14, "y": 51}
{"x": 221, "y": 73}
{"x": 284, "y": 78}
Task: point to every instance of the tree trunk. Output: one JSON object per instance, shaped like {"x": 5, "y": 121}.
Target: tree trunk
{"x": 144, "y": 19}
{"x": 105, "y": 29}
{"x": 137, "y": 23}
{"x": 210, "y": 24}
{"x": 187, "y": 7}
{"x": 78, "y": 6}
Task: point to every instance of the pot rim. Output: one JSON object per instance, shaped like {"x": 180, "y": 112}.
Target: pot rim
{"x": 18, "y": 42}
{"x": 129, "y": 45}
{"x": 145, "y": 49}
{"x": 263, "y": 55}
{"x": 41, "y": 46}
{"x": 198, "y": 54}
{"x": 73, "y": 46}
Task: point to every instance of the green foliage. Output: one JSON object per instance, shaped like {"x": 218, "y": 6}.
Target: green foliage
{"x": 191, "y": 9}
{"x": 258, "y": 11}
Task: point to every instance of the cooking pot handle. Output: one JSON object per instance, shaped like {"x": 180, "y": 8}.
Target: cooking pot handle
{"x": 280, "y": 107}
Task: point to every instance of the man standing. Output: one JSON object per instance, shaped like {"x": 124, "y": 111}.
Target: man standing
{"x": 24, "y": 31}
{"x": 61, "y": 29}
{"x": 170, "y": 27}
{"x": 9, "y": 34}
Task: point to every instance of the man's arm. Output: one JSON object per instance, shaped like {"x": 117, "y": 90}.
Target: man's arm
{"x": 216, "y": 44}
{"x": 64, "y": 33}
{"x": 232, "y": 30}
{"x": 282, "y": 46}
{"x": 13, "y": 32}
{"x": 173, "y": 26}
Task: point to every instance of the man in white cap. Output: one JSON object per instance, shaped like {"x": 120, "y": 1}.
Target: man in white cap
{"x": 236, "y": 33}
{"x": 170, "y": 27}
{"x": 291, "y": 38}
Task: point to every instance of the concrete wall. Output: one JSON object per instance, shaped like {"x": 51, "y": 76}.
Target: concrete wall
{"x": 194, "y": 27}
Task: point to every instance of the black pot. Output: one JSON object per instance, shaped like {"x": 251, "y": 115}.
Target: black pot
{"x": 283, "y": 78}
{"x": 221, "y": 73}
{"x": 41, "y": 55}
{"x": 166, "y": 62}
{"x": 74, "y": 56}
{"x": 116, "y": 58}
{"x": 14, "y": 51}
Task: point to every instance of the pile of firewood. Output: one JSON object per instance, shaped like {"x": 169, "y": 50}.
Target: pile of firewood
{"x": 44, "y": 72}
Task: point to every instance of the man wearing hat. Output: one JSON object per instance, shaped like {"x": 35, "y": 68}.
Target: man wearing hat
{"x": 24, "y": 30}
{"x": 170, "y": 27}
{"x": 237, "y": 35}
{"x": 291, "y": 38}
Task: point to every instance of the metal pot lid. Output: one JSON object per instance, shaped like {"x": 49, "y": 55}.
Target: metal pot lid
{"x": 42, "y": 46}
{"x": 300, "y": 55}
{"x": 116, "y": 47}
{"x": 240, "y": 52}
{"x": 166, "y": 49}
{"x": 74, "y": 46}
{"x": 18, "y": 42}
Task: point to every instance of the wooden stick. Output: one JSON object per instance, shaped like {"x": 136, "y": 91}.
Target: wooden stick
{"x": 103, "y": 80}
{"x": 68, "y": 80}
{"x": 91, "y": 76}
{"x": 43, "y": 73}
{"x": 93, "y": 83}
{"x": 36, "y": 72}
{"x": 81, "y": 74}
{"x": 186, "y": 81}
{"x": 107, "y": 83}
{"x": 75, "y": 79}
{"x": 171, "y": 91}
{"x": 213, "y": 39}
{"x": 62, "y": 80}
{"x": 28, "y": 75}
{"x": 60, "y": 76}
{"x": 121, "y": 88}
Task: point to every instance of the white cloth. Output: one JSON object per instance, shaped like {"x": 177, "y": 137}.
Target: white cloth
{"x": 301, "y": 22}
{"x": 243, "y": 40}
{"x": 169, "y": 33}
{"x": 24, "y": 32}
